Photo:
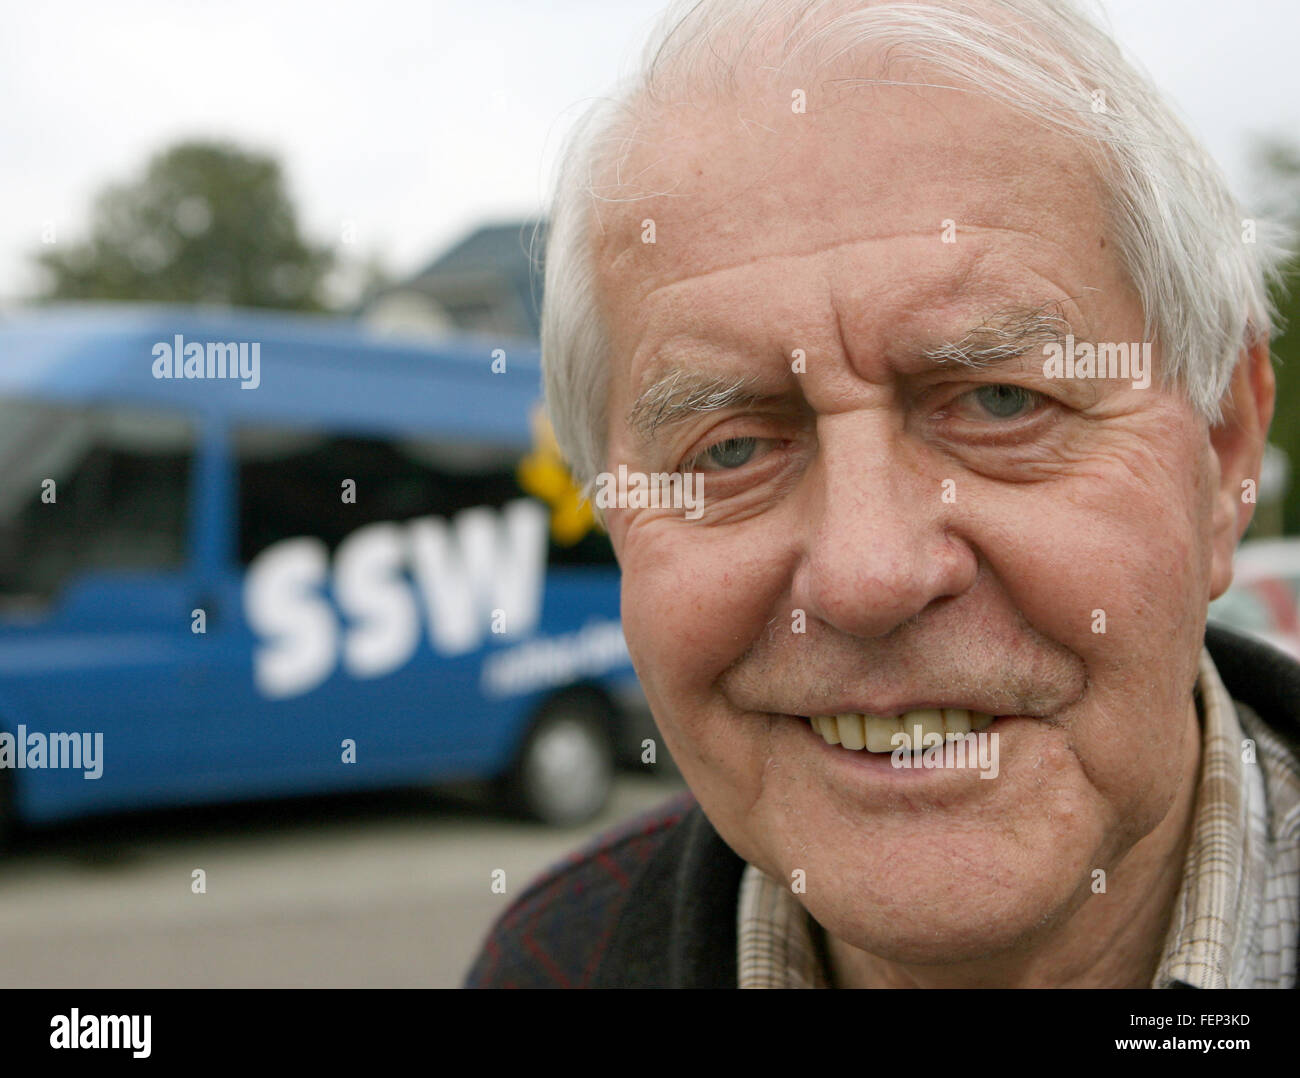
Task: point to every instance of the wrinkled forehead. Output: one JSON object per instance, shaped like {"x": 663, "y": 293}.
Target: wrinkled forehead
{"x": 696, "y": 189}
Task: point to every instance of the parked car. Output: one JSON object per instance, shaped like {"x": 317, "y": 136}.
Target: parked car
{"x": 253, "y": 554}
{"x": 1264, "y": 599}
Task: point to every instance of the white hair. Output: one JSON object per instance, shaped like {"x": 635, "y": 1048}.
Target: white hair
{"x": 1178, "y": 232}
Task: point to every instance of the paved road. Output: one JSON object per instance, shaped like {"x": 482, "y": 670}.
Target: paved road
{"x": 380, "y": 890}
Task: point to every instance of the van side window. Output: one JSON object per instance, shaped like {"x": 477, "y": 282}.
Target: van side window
{"x": 291, "y": 484}
{"x": 120, "y": 496}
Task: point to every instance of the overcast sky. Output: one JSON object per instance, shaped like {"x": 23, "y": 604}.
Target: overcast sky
{"x": 416, "y": 119}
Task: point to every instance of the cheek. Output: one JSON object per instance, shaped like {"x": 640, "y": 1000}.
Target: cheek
{"x": 1122, "y": 587}
{"x": 1112, "y": 560}
{"x": 694, "y": 599}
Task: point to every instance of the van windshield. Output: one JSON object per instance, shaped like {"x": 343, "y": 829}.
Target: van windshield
{"x": 88, "y": 488}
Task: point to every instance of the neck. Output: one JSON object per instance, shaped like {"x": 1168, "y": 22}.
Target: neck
{"x": 1111, "y": 940}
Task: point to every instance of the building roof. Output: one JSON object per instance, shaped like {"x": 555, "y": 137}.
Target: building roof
{"x": 491, "y": 279}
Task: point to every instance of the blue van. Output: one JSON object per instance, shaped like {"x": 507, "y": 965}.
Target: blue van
{"x": 249, "y": 554}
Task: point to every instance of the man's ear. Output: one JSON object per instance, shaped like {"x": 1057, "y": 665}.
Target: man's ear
{"x": 1238, "y": 444}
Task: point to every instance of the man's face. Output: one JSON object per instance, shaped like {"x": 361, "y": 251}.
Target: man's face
{"x": 950, "y": 544}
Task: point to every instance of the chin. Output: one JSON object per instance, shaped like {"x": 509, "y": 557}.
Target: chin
{"x": 949, "y": 909}
{"x": 965, "y": 936}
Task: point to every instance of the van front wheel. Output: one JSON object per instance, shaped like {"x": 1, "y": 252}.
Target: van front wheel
{"x": 565, "y": 770}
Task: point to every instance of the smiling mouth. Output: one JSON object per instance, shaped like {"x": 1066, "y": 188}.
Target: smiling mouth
{"x": 876, "y": 733}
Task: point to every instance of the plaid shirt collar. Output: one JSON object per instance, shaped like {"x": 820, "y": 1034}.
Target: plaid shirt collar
{"x": 1236, "y": 915}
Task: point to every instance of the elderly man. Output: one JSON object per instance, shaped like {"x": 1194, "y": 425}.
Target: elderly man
{"x": 969, "y": 345}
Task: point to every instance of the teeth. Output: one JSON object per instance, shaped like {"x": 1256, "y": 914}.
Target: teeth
{"x": 850, "y": 730}
{"x": 875, "y": 733}
{"x": 922, "y": 725}
{"x": 956, "y": 721}
{"x": 881, "y": 731}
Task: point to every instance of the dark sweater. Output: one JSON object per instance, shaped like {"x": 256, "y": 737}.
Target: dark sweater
{"x": 652, "y": 903}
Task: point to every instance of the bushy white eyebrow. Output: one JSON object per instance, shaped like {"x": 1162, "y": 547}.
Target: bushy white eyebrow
{"x": 683, "y": 393}
{"x": 1000, "y": 337}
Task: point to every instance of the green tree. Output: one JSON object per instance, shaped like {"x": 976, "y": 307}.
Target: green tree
{"x": 206, "y": 223}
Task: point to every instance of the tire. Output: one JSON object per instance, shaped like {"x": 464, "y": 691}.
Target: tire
{"x": 565, "y": 769}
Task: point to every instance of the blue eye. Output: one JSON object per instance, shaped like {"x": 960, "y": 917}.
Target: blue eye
{"x": 1005, "y": 402}
{"x": 731, "y": 453}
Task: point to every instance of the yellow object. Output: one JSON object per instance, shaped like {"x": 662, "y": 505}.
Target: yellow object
{"x": 543, "y": 474}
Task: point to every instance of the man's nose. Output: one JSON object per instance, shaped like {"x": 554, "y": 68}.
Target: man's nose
{"x": 879, "y": 544}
